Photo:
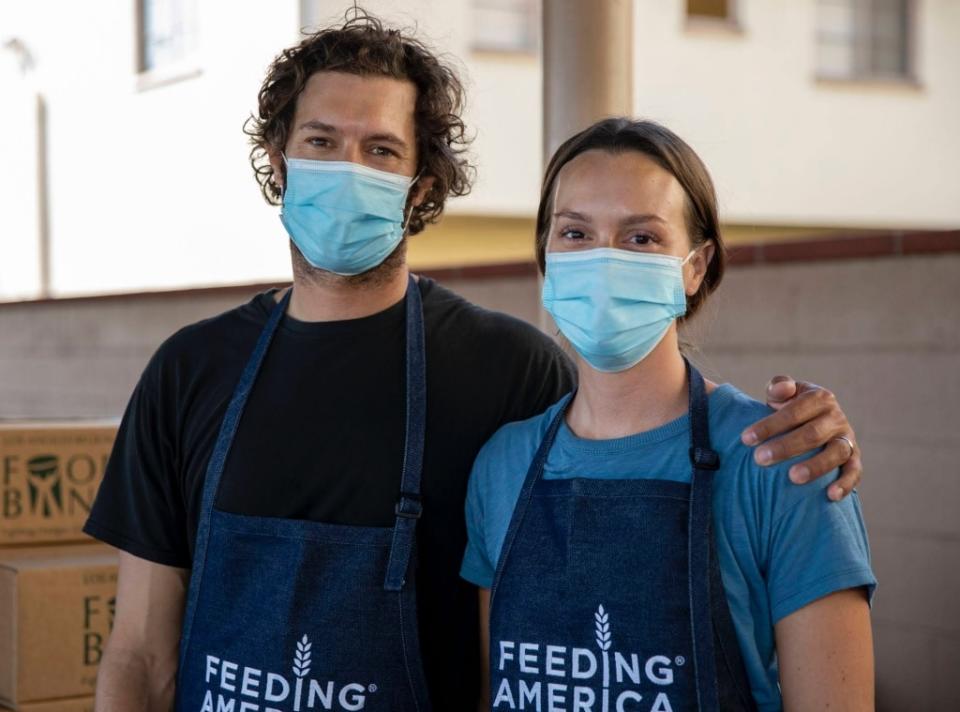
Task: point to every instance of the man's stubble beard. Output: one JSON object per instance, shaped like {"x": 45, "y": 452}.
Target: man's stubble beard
{"x": 380, "y": 275}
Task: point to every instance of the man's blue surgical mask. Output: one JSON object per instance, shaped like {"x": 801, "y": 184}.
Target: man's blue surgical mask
{"x": 614, "y": 306}
{"x": 343, "y": 217}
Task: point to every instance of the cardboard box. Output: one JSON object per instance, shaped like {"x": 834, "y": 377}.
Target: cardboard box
{"x": 49, "y": 475}
{"x": 75, "y": 704}
{"x": 56, "y": 612}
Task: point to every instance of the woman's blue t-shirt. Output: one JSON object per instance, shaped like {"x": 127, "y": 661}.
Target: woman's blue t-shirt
{"x": 781, "y": 546}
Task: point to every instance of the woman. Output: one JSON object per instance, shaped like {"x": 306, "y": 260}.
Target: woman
{"x": 630, "y": 554}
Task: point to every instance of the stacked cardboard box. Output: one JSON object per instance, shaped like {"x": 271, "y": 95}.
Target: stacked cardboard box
{"x": 57, "y": 588}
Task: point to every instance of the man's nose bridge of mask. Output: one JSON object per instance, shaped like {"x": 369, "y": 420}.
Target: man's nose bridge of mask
{"x": 408, "y": 207}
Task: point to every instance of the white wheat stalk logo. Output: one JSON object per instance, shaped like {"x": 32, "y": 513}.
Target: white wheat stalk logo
{"x": 301, "y": 668}
{"x": 301, "y": 662}
{"x": 602, "y": 619}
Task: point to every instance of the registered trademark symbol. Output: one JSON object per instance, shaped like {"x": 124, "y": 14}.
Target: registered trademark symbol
{"x": 372, "y": 688}
{"x": 680, "y": 660}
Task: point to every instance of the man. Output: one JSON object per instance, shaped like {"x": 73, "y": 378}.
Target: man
{"x": 266, "y": 482}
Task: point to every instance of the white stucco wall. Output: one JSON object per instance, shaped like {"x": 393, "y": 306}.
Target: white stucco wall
{"x": 148, "y": 188}
{"x": 785, "y": 148}
{"x": 151, "y": 188}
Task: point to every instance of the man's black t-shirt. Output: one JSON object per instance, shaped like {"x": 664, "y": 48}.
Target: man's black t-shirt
{"x": 322, "y": 439}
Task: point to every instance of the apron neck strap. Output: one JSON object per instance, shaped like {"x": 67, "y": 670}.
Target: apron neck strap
{"x": 702, "y": 455}
{"x": 218, "y": 458}
{"x": 409, "y": 507}
{"x": 534, "y": 473}
{"x": 231, "y": 419}
{"x": 705, "y": 462}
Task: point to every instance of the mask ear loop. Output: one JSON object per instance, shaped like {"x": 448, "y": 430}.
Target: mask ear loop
{"x": 406, "y": 222}
{"x": 283, "y": 187}
{"x": 691, "y": 254}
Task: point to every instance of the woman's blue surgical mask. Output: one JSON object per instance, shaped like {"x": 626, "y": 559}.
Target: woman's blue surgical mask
{"x": 614, "y": 306}
{"x": 343, "y": 217}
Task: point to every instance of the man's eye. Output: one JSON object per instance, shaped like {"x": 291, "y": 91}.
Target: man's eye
{"x": 318, "y": 142}
{"x": 383, "y": 151}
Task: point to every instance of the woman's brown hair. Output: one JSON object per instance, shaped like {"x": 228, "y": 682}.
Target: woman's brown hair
{"x": 671, "y": 153}
{"x": 362, "y": 45}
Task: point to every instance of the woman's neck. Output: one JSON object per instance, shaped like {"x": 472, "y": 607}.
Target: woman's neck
{"x": 646, "y": 396}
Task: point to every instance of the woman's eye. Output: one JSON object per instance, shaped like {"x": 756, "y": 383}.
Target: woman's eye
{"x": 571, "y": 234}
{"x": 318, "y": 142}
{"x": 383, "y": 151}
{"x": 641, "y": 238}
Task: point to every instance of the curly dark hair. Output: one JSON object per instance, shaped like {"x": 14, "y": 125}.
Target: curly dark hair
{"x": 363, "y": 46}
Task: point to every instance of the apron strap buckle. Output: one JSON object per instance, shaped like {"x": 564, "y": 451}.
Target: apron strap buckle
{"x": 704, "y": 458}
{"x": 409, "y": 506}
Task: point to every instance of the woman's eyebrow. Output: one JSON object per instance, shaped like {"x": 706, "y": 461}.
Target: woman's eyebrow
{"x": 570, "y": 214}
{"x": 628, "y": 220}
{"x": 642, "y": 218}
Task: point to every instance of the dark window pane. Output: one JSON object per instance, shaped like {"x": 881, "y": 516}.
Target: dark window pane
{"x": 876, "y": 32}
{"x": 719, "y": 9}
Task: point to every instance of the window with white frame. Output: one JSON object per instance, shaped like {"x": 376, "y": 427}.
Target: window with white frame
{"x": 168, "y": 33}
{"x": 864, "y": 39}
{"x": 506, "y": 25}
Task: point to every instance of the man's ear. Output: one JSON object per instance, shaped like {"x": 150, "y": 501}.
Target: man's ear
{"x": 420, "y": 189}
{"x": 698, "y": 265}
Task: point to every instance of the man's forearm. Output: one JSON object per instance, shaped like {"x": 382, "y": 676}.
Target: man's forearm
{"x": 131, "y": 682}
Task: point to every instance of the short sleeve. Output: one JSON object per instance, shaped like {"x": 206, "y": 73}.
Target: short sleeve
{"x": 140, "y": 507}
{"x": 817, "y": 547}
{"x": 477, "y": 567}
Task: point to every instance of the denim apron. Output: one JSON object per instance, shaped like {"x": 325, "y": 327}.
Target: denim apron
{"x": 292, "y": 615}
{"x": 607, "y": 595}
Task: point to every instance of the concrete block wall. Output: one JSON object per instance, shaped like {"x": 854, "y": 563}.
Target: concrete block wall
{"x": 82, "y": 357}
{"x": 883, "y": 333}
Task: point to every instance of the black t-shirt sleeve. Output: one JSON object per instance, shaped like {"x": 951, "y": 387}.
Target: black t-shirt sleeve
{"x": 140, "y": 507}
{"x": 549, "y": 375}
